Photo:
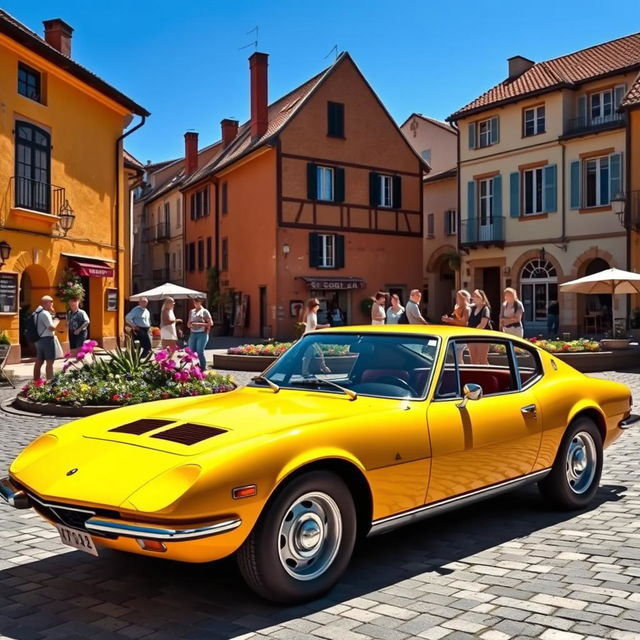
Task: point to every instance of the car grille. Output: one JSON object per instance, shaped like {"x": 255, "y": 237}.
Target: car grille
{"x": 139, "y": 427}
{"x": 188, "y": 433}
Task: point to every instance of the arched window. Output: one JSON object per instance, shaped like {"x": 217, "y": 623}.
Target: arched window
{"x": 539, "y": 287}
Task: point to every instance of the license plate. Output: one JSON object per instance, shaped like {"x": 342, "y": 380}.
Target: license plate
{"x": 78, "y": 539}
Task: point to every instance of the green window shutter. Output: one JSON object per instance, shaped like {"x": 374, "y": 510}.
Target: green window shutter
{"x": 495, "y": 130}
{"x": 615, "y": 175}
{"x": 471, "y": 211}
{"x": 497, "y": 197}
{"x": 374, "y": 189}
{"x": 312, "y": 181}
{"x": 550, "y": 188}
{"x": 582, "y": 111}
{"x": 314, "y": 249}
{"x": 338, "y": 188}
{"x": 514, "y": 194}
{"x": 339, "y": 252}
{"x": 472, "y": 135}
{"x": 575, "y": 184}
{"x": 397, "y": 192}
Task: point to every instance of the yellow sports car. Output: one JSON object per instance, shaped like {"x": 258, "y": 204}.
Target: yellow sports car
{"x": 352, "y": 432}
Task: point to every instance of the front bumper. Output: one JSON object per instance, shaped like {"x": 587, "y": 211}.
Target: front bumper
{"x": 13, "y": 495}
{"x": 629, "y": 421}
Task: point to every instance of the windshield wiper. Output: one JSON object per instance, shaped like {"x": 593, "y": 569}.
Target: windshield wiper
{"x": 273, "y": 385}
{"x": 352, "y": 394}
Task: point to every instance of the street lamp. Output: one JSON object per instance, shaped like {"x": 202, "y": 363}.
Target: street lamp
{"x": 67, "y": 217}
{"x": 619, "y": 205}
{"x": 5, "y": 252}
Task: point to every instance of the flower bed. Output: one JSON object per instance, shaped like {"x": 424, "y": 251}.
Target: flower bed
{"x": 276, "y": 349}
{"x": 125, "y": 378}
{"x": 562, "y": 346}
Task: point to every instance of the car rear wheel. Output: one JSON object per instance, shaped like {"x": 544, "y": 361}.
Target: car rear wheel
{"x": 303, "y": 541}
{"x": 575, "y": 475}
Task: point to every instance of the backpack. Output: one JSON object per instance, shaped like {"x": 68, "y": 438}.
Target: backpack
{"x": 402, "y": 318}
{"x": 30, "y": 333}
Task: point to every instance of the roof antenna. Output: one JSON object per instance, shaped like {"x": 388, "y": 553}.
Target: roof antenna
{"x": 255, "y": 42}
{"x": 334, "y": 48}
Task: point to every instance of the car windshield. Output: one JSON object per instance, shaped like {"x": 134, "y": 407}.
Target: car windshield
{"x": 388, "y": 366}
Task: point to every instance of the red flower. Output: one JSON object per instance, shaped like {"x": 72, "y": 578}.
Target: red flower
{"x": 115, "y": 397}
{"x": 164, "y": 395}
{"x": 565, "y": 347}
{"x": 534, "y": 340}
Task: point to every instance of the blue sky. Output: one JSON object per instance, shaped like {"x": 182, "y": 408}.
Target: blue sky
{"x": 182, "y": 61}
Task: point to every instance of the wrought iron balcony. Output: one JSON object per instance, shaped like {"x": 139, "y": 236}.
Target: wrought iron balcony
{"x": 478, "y": 232}
{"x": 160, "y": 276}
{"x": 163, "y": 232}
{"x": 585, "y": 124}
{"x": 36, "y": 195}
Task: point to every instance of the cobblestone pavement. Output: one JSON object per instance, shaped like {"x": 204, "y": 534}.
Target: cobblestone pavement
{"x": 510, "y": 568}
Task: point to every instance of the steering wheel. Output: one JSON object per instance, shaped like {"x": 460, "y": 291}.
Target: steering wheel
{"x": 397, "y": 382}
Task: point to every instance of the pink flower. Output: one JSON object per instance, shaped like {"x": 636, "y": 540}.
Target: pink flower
{"x": 80, "y": 356}
{"x": 161, "y": 355}
{"x": 169, "y": 365}
{"x": 67, "y": 356}
{"x": 188, "y": 351}
{"x": 197, "y": 373}
{"x": 39, "y": 382}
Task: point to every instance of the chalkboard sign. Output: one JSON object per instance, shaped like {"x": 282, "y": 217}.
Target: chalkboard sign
{"x": 8, "y": 293}
{"x": 111, "y": 300}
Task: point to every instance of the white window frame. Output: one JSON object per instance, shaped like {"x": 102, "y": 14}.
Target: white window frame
{"x": 325, "y": 183}
{"x": 602, "y": 116}
{"x": 487, "y": 198}
{"x": 327, "y": 257}
{"x": 386, "y": 191}
{"x": 452, "y": 222}
{"x": 535, "y": 120}
{"x": 484, "y": 133}
{"x": 537, "y": 197}
{"x": 601, "y": 163}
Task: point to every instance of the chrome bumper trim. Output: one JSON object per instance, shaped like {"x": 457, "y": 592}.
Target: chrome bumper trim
{"x": 629, "y": 421}
{"x": 128, "y": 530}
{"x": 12, "y": 495}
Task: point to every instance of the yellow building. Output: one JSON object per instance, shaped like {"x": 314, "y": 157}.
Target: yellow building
{"x": 65, "y": 187}
{"x": 542, "y": 155}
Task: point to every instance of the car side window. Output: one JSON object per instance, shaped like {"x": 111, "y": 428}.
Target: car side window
{"x": 447, "y": 386}
{"x": 529, "y": 365}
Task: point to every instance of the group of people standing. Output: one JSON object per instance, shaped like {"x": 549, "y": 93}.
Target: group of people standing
{"x": 395, "y": 313}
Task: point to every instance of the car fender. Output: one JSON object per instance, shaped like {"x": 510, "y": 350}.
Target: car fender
{"x": 585, "y": 404}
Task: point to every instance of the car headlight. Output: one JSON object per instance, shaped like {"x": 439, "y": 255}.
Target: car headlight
{"x": 39, "y": 447}
{"x": 164, "y": 489}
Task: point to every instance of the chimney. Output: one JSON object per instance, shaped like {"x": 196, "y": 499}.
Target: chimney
{"x": 259, "y": 114}
{"x": 518, "y": 65}
{"x": 190, "y": 152}
{"x": 229, "y": 131}
{"x": 58, "y": 33}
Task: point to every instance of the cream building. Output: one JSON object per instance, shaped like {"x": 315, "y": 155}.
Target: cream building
{"x": 437, "y": 143}
{"x": 542, "y": 155}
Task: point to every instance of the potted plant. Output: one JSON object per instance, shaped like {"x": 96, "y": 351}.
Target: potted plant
{"x": 69, "y": 286}
{"x": 155, "y": 337}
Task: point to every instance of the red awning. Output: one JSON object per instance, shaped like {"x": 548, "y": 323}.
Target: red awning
{"x": 95, "y": 269}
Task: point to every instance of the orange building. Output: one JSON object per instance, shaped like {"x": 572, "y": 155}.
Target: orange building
{"x": 318, "y": 194}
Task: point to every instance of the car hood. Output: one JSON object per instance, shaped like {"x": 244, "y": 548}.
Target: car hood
{"x": 117, "y": 452}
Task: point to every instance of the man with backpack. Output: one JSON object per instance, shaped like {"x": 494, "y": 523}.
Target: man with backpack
{"x": 41, "y": 330}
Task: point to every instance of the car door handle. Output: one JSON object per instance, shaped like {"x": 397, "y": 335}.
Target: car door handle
{"x": 530, "y": 409}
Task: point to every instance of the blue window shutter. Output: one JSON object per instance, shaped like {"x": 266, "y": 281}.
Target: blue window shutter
{"x": 615, "y": 175}
{"x": 550, "y": 189}
{"x": 312, "y": 181}
{"x": 514, "y": 194}
{"x": 495, "y": 130}
{"x": 582, "y": 110}
{"x": 575, "y": 184}
{"x": 471, "y": 210}
{"x": 472, "y": 135}
{"x": 497, "y": 197}
{"x": 618, "y": 94}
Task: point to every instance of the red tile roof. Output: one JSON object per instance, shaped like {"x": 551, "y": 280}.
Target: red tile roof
{"x": 632, "y": 99}
{"x": 571, "y": 70}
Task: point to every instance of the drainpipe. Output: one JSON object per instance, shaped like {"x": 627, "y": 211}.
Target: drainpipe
{"x": 117, "y": 212}
{"x": 458, "y": 214}
{"x": 564, "y": 196}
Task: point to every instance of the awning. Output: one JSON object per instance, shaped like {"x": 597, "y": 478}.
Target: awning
{"x": 94, "y": 269}
{"x": 333, "y": 284}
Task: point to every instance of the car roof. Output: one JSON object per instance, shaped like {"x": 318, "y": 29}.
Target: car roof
{"x": 441, "y": 330}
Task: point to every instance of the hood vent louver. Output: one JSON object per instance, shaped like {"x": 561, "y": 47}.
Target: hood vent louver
{"x": 139, "y": 427}
{"x": 188, "y": 433}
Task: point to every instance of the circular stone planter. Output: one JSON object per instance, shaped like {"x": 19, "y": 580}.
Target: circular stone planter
{"x": 615, "y": 343}
{"x": 51, "y": 409}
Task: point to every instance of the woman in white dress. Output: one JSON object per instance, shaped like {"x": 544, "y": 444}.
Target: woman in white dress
{"x": 313, "y": 353}
{"x": 168, "y": 333}
{"x": 378, "y": 312}
{"x": 395, "y": 310}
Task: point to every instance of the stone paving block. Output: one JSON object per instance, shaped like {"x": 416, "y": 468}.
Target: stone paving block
{"x": 555, "y": 634}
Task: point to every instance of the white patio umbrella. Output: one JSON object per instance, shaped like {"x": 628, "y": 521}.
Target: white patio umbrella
{"x": 168, "y": 290}
{"x": 609, "y": 281}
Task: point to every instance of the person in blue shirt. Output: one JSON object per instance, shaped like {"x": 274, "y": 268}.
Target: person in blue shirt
{"x": 139, "y": 320}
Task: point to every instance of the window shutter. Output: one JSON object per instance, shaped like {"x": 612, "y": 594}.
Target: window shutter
{"x": 339, "y": 252}
{"x": 582, "y": 110}
{"x": 615, "y": 175}
{"x": 447, "y": 225}
{"x": 472, "y": 135}
{"x": 430, "y": 225}
{"x": 314, "y": 249}
{"x": 575, "y": 184}
{"x": 550, "y": 189}
{"x": 514, "y": 194}
{"x": 312, "y": 181}
{"x": 374, "y": 189}
{"x": 338, "y": 190}
{"x": 397, "y": 192}
{"x": 497, "y": 197}
{"x": 495, "y": 130}
{"x": 471, "y": 210}
{"x": 618, "y": 93}
{"x": 193, "y": 206}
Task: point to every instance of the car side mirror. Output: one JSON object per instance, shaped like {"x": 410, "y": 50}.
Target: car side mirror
{"x": 470, "y": 391}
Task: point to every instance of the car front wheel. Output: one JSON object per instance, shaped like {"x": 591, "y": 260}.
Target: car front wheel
{"x": 303, "y": 541}
{"x": 575, "y": 475}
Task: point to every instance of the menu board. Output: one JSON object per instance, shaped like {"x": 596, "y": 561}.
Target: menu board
{"x": 8, "y": 292}
{"x": 111, "y": 300}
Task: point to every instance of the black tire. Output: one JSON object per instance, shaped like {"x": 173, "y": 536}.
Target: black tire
{"x": 564, "y": 487}
{"x": 263, "y": 556}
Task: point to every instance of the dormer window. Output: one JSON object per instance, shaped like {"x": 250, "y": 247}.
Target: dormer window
{"x": 29, "y": 82}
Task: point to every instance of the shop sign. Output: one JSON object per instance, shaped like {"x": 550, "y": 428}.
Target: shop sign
{"x": 334, "y": 285}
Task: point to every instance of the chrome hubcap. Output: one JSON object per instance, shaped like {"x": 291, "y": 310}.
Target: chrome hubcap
{"x": 581, "y": 462}
{"x": 309, "y": 536}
